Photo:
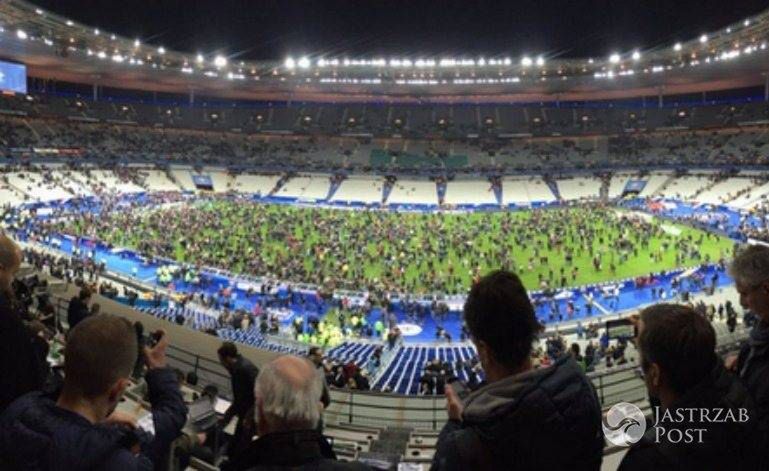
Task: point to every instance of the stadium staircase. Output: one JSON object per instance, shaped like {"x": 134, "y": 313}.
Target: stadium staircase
{"x": 387, "y": 188}
{"x": 335, "y": 184}
{"x": 707, "y": 187}
{"x": 661, "y": 190}
{"x": 553, "y": 188}
{"x": 280, "y": 183}
{"x": 441, "y": 188}
{"x": 498, "y": 193}
{"x": 172, "y": 178}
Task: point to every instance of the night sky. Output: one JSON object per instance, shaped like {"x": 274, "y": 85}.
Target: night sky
{"x": 273, "y": 29}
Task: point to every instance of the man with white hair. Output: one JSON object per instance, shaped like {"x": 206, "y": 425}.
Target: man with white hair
{"x": 287, "y": 412}
{"x": 750, "y": 270}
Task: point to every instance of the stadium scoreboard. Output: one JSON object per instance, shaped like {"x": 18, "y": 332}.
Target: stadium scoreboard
{"x": 13, "y": 77}
{"x": 203, "y": 182}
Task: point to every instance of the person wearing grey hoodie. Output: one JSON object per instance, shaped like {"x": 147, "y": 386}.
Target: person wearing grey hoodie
{"x": 524, "y": 418}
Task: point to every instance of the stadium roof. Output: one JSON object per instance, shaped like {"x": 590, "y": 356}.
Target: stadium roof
{"x": 55, "y": 47}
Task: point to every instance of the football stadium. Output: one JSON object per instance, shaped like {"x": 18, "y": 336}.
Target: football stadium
{"x": 340, "y": 255}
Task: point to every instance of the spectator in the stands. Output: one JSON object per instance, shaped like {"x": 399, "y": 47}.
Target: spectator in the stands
{"x": 683, "y": 372}
{"x": 514, "y": 421}
{"x": 21, "y": 368}
{"x": 315, "y": 354}
{"x": 287, "y": 413}
{"x": 750, "y": 270}
{"x": 243, "y": 374}
{"x": 80, "y": 428}
{"x": 78, "y": 307}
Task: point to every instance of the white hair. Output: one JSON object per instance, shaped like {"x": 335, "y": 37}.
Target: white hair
{"x": 750, "y": 266}
{"x": 289, "y": 397}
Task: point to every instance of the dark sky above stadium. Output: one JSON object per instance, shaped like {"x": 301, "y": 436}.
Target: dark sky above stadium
{"x": 273, "y": 29}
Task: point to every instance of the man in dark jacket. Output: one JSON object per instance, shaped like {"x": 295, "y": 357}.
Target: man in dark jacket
{"x": 79, "y": 429}
{"x": 681, "y": 370}
{"x": 523, "y": 415}
{"x": 243, "y": 374}
{"x": 750, "y": 270}
{"x": 21, "y": 369}
{"x": 78, "y": 308}
{"x": 287, "y": 413}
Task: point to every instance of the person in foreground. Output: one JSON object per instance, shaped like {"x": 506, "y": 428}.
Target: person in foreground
{"x": 79, "y": 428}
{"x": 750, "y": 270}
{"x": 287, "y": 412}
{"x": 21, "y": 369}
{"x": 681, "y": 368}
{"x": 524, "y": 418}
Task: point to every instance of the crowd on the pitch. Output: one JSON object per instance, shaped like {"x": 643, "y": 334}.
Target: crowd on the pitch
{"x": 413, "y": 253}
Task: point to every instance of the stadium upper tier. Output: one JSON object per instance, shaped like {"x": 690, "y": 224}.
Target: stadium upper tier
{"x": 59, "y": 48}
{"x": 385, "y": 139}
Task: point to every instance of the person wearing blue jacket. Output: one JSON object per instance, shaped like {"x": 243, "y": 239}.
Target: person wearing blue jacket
{"x": 78, "y": 428}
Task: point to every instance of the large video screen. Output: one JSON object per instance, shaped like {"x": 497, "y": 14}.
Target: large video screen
{"x": 203, "y": 182}
{"x": 13, "y": 77}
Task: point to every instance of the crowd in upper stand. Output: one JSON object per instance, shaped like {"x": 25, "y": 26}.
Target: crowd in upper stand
{"x": 112, "y": 131}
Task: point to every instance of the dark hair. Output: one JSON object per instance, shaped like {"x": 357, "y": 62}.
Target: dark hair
{"x": 100, "y": 350}
{"x": 680, "y": 341}
{"x": 313, "y": 351}
{"x": 192, "y": 378}
{"x": 228, "y": 350}
{"x": 498, "y": 312}
{"x": 85, "y": 293}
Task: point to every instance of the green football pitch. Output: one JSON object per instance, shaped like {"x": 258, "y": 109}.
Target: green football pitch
{"x": 416, "y": 252}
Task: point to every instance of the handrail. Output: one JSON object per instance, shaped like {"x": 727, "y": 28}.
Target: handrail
{"x": 346, "y": 405}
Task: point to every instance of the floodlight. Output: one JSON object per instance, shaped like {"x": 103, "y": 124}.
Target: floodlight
{"x": 526, "y": 61}
{"x": 614, "y": 58}
{"x": 636, "y": 55}
{"x": 704, "y": 38}
{"x": 220, "y": 61}
{"x": 677, "y": 47}
{"x": 304, "y": 62}
{"x": 290, "y": 63}
{"x": 161, "y": 50}
{"x": 21, "y": 34}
